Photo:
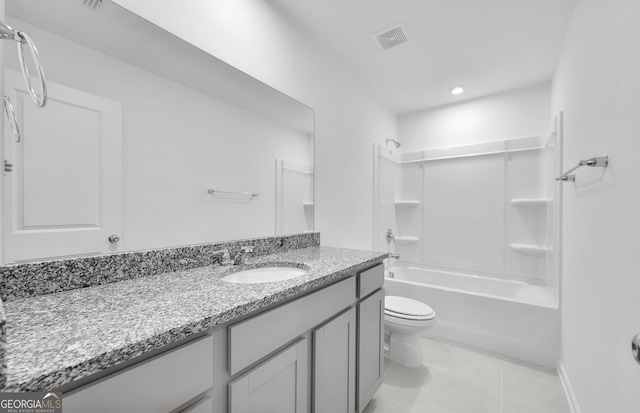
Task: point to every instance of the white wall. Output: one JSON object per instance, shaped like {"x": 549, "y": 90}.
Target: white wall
{"x": 255, "y": 37}
{"x": 517, "y": 113}
{"x": 598, "y": 88}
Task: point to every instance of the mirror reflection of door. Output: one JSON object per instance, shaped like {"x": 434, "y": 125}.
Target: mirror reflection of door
{"x": 69, "y": 150}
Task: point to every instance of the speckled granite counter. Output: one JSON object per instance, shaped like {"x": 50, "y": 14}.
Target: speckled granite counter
{"x": 56, "y": 338}
{"x": 3, "y": 343}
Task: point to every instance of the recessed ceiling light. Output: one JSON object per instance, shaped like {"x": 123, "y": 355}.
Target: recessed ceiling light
{"x": 456, "y": 90}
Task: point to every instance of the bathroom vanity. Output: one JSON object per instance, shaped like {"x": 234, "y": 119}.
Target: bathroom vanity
{"x": 187, "y": 341}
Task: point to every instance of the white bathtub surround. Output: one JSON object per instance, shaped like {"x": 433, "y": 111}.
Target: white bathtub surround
{"x": 460, "y": 379}
{"x": 507, "y": 317}
{"x": 485, "y": 207}
{"x": 480, "y": 175}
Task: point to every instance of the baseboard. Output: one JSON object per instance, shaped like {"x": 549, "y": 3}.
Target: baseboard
{"x": 571, "y": 397}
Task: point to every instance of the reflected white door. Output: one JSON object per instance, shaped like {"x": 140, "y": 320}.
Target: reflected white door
{"x": 64, "y": 194}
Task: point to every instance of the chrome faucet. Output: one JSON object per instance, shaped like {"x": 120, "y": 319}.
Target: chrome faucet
{"x": 392, "y": 255}
{"x": 242, "y": 255}
{"x": 222, "y": 257}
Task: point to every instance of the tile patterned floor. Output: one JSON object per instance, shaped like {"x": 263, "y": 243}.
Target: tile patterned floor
{"x": 460, "y": 379}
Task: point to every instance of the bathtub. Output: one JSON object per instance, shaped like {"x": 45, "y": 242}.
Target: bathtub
{"x": 512, "y": 318}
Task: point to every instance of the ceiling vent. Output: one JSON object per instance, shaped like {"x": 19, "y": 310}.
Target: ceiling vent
{"x": 391, "y": 37}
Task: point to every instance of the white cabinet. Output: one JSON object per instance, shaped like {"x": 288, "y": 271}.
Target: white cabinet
{"x": 279, "y": 385}
{"x": 334, "y": 365}
{"x": 158, "y": 385}
{"x": 370, "y": 347}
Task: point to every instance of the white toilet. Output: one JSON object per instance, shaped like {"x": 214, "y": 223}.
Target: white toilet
{"x": 404, "y": 322}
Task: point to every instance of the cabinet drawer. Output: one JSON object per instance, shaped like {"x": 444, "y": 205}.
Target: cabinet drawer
{"x": 370, "y": 280}
{"x": 257, "y": 337}
{"x": 157, "y": 385}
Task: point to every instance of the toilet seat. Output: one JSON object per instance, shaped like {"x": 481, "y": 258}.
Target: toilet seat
{"x": 407, "y": 309}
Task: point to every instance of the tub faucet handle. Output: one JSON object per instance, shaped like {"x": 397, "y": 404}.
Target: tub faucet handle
{"x": 390, "y": 237}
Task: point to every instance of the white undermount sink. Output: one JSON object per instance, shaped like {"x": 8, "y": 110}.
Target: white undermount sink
{"x": 264, "y": 275}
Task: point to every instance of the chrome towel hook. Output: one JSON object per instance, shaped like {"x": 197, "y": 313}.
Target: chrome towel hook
{"x": 7, "y": 33}
{"x": 598, "y": 162}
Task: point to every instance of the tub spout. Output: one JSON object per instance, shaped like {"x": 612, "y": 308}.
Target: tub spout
{"x": 396, "y": 256}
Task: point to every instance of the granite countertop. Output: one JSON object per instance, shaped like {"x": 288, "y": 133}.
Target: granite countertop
{"x": 57, "y": 338}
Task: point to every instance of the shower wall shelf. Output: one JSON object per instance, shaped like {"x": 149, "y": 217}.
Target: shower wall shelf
{"x": 530, "y": 202}
{"x": 407, "y": 204}
{"x": 530, "y": 249}
{"x": 307, "y": 204}
{"x": 406, "y": 240}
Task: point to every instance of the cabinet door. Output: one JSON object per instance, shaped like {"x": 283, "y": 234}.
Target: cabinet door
{"x": 279, "y": 385}
{"x": 334, "y": 365}
{"x": 370, "y": 347}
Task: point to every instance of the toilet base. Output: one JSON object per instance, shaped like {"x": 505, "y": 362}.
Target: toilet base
{"x": 405, "y": 349}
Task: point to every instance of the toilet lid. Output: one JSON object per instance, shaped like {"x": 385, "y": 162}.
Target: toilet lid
{"x": 402, "y": 306}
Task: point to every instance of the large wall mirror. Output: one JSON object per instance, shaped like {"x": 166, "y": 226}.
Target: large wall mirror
{"x": 146, "y": 137}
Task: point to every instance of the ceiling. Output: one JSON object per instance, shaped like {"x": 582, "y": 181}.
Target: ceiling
{"x": 488, "y": 45}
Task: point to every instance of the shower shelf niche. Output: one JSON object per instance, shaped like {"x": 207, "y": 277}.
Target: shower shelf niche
{"x": 530, "y": 249}
{"x": 307, "y": 204}
{"x": 407, "y": 204}
{"x": 530, "y": 202}
{"x": 406, "y": 240}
